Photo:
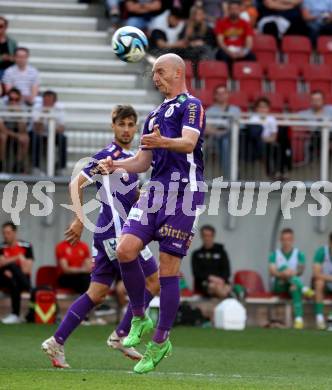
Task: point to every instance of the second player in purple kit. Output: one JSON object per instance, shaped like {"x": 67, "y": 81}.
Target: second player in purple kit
{"x": 172, "y": 143}
{"x": 117, "y": 195}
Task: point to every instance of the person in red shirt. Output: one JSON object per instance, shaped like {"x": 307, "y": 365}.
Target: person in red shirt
{"x": 16, "y": 257}
{"x": 74, "y": 265}
{"x": 234, "y": 36}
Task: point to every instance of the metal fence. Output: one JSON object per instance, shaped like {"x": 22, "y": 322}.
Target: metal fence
{"x": 234, "y": 150}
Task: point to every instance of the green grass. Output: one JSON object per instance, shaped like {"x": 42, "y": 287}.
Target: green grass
{"x": 202, "y": 359}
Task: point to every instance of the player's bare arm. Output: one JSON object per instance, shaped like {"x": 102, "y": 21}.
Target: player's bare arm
{"x": 184, "y": 144}
{"x": 141, "y": 162}
{"x": 74, "y": 232}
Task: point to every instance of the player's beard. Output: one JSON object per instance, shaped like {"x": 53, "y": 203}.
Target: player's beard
{"x": 124, "y": 141}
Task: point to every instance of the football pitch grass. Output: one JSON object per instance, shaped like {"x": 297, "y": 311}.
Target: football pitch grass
{"x": 202, "y": 359}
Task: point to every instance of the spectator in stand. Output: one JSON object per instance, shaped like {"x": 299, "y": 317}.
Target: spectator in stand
{"x": 280, "y": 17}
{"x": 249, "y": 12}
{"x": 287, "y": 265}
{"x": 214, "y": 10}
{"x": 199, "y": 37}
{"x": 48, "y": 105}
{"x": 221, "y": 109}
{"x": 13, "y": 135}
{"x": 22, "y": 76}
{"x": 183, "y": 7}
{"x": 7, "y": 47}
{"x": 16, "y": 257}
{"x": 318, "y": 16}
{"x": 318, "y": 108}
{"x": 211, "y": 266}
{"x": 166, "y": 30}
{"x": 322, "y": 278}
{"x": 262, "y": 136}
{"x": 74, "y": 265}
{"x": 234, "y": 36}
{"x": 141, "y": 12}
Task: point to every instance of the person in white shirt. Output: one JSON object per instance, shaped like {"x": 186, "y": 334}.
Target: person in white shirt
{"x": 22, "y": 76}
{"x": 263, "y": 134}
{"x": 39, "y": 133}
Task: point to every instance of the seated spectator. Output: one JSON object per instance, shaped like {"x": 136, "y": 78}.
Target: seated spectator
{"x": 16, "y": 257}
{"x": 22, "y": 76}
{"x": 249, "y": 12}
{"x": 318, "y": 108}
{"x": 7, "y": 47}
{"x": 214, "y": 10}
{"x": 262, "y": 136}
{"x": 166, "y": 30}
{"x": 322, "y": 278}
{"x": 48, "y": 105}
{"x": 318, "y": 16}
{"x": 211, "y": 267}
{"x": 199, "y": 37}
{"x": 287, "y": 265}
{"x": 13, "y": 135}
{"x": 280, "y": 17}
{"x": 182, "y": 7}
{"x": 234, "y": 36}
{"x": 74, "y": 265}
{"x": 141, "y": 12}
{"x": 220, "y": 110}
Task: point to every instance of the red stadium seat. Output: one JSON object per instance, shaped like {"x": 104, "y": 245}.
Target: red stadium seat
{"x": 318, "y": 77}
{"x": 47, "y": 275}
{"x": 205, "y": 95}
{"x": 265, "y": 49}
{"x": 252, "y": 282}
{"x": 284, "y": 78}
{"x": 213, "y": 73}
{"x": 324, "y": 48}
{"x": 298, "y": 102}
{"x": 328, "y": 99}
{"x": 239, "y": 99}
{"x": 277, "y": 100}
{"x": 249, "y": 76}
{"x": 297, "y": 49}
{"x": 189, "y": 73}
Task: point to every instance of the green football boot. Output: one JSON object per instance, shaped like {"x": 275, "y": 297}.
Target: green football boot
{"x": 153, "y": 355}
{"x": 139, "y": 327}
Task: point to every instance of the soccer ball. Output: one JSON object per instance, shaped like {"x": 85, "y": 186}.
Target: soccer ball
{"x": 129, "y": 44}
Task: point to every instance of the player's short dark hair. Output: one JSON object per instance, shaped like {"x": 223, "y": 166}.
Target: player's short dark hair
{"x": 286, "y": 231}
{"x": 121, "y": 112}
{"x": 209, "y": 228}
{"x": 4, "y": 20}
{"x": 21, "y": 48}
{"x": 9, "y": 224}
{"x": 262, "y": 99}
{"x": 51, "y": 94}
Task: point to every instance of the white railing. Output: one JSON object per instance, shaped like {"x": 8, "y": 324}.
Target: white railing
{"x": 234, "y": 126}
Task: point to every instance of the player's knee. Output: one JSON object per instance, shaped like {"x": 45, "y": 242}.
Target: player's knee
{"x": 97, "y": 295}
{"x": 319, "y": 284}
{"x": 123, "y": 253}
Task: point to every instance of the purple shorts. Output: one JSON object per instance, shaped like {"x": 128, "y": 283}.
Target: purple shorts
{"x": 106, "y": 268}
{"x": 173, "y": 225}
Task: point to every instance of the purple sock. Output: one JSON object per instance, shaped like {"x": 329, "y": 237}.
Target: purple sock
{"x": 124, "y": 327}
{"x": 134, "y": 281}
{"x": 169, "y": 304}
{"x": 74, "y": 316}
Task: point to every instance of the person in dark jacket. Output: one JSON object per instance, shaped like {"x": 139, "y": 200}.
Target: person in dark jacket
{"x": 211, "y": 266}
{"x": 7, "y": 47}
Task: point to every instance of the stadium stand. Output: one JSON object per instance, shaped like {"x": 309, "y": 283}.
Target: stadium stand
{"x": 284, "y": 78}
{"x": 248, "y": 76}
{"x": 297, "y": 49}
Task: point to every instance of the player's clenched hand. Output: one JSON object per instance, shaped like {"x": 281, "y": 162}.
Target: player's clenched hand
{"x": 105, "y": 166}
{"x": 74, "y": 232}
{"x": 153, "y": 140}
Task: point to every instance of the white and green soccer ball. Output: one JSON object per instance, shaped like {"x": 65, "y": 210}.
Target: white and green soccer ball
{"x": 129, "y": 44}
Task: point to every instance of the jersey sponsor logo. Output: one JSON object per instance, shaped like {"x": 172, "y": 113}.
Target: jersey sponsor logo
{"x": 135, "y": 214}
{"x": 192, "y": 113}
{"x": 170, "y": 231}
{"x": 170, "y": 110}
{"x": 177, "y": 244}
{"x": 182, "y": 98}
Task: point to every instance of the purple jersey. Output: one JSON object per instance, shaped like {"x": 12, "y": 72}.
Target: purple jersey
{"x": 182, "y": 112}
{"x": 117, "y": 192}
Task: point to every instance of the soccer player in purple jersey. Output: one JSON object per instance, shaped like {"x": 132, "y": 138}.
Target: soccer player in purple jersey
{"x": 117, "y": 198}
{"x": 172, "y": 143}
